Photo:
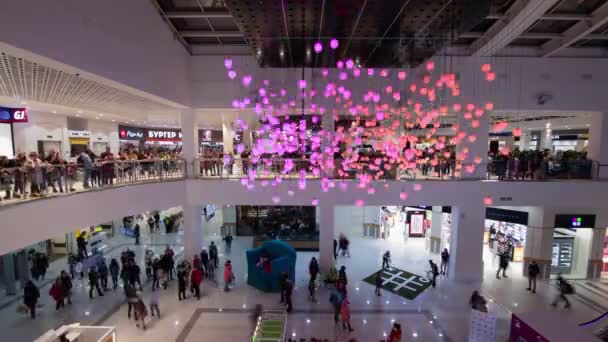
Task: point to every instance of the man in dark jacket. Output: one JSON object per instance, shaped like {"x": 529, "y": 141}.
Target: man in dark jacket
{"x": 213, "y": 258}
{"x": 533, "y": 271}
{"x": 94, "y": 282}
{"x": 66, "y": 284}
{"x": 503, "y": 265}
{"x": 82, "y": 245}
{"x": 30, "y": 297}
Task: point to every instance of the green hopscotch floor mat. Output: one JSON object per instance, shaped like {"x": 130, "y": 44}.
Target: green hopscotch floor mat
{"x": 400, "y": 282}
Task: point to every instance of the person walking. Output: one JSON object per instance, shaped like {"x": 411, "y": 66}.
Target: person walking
{"x": 445, "y": 258}
{"x": 155, "y": 302}
{"x": 378, "y": 283}
{"x": 386, "y": 259}
{"x": 82, "y": 245}
{"x": 103, "y": 275}
{"x": 131, "y": 299}
{"x": 335, "y": 298}
{"x": 282, "y": 278}
{"x": 66, "y": 284}
{"x": 565, "y": 288}
{"x": 136, "y": 233}
{"x": 205, "y": 262}
{"x": 141, "y": 312}
{"x": 345, "y": 315}
{"x": 182, "y": 274}
{"x": 228, "y": 240}
{"x": 196, "y": 277}
{"x": 114, "y": 270}
{"x": 533, "y": 271}
{"x": 434, "y": 272}
{"x": 30, "y": 297}
{"x": 94, "y": 282}
{"x": 335, "y": 249}
{"x": 503, "y": 264}
{"x": 313, "y": 270}
{"x": 288, "y": 294}
{"x": 57, "y": 293}
{"x": 342, "y": 281}
{"x": 228, "y": 275}
{"x": 395, "y": 335}
{"x": 213, "y": 256}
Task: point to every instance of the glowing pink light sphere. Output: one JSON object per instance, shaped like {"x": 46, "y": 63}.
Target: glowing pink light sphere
{"x": 228, "y": 63}
{"x": 403, "y": 195}
{"x": 359, "y": 203}
{"x": 315, "y": 202}
{"x": 246, "y": 80}
{"x": 232, "y": 74}
{"x": 334, "y": 43}
{"x": 318, "y": 47}
{"x": 349, "y": 64}
{"x": 487, "y": 200}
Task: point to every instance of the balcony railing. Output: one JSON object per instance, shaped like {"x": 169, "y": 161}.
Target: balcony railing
{"x": 28, "y": 182}
{"x": 503, "y": 170}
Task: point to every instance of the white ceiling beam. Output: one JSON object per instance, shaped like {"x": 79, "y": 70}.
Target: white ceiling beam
{"x": 550, "y": 16}
{"x": 518, "y": 18}
{"x": 529, "y": 35}
{"x": 212, "y": 34}
{"x": 197, "y": 14}
{"x": 578, "y": 31}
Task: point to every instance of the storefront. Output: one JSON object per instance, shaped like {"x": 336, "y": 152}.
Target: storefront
{"x": 505, "y": 232}
{"x": 572, "y": 241}
{"x": 79, "y": 142}
{"x": 295, "y": 225}
{"x": 570, "y": 140}
{"x": 211, "y": 139}
{"x": 130, "y": 138}
{"x": 163, "y": 139}
{"x": 8, "y": 116}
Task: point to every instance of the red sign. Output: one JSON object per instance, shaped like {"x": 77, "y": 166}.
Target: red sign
{"x": 13, "y": 114}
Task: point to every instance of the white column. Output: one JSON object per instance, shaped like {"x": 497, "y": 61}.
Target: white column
{"x": 466, "y": 242}
{"x": 547, "y": 139}
{"x": 229, "y": 220}
{"x": 228, "y": 133}
{"x": 326, "y": 237}
{"x": 597, "y": 149}
{"x": 524, "y": 140}
{"x": 189, "y": 141}
{"x": 435, "y": 238}
{"x": 467, "y": 151}
{"x": 193, "y": 230}
{"x": 596, "y": 255}
{"x": 539, "y": 240}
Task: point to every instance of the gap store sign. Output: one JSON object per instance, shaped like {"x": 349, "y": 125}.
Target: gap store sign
{"x": 12, "y": 115}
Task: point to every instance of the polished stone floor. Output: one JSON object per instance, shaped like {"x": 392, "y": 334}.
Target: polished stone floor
{"x": 440, "y": 314}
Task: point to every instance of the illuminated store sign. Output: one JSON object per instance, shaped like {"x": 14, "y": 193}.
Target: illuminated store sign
{"x": 11, "y": 115}
{"x": 130, "y": 133}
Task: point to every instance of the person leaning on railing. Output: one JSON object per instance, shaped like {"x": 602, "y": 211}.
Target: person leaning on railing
{"x": 6, "y": 177}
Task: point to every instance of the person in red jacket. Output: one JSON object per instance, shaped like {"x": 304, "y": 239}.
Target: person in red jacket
{"x": 196, "y": 278}
{"x": 56, "y": 292}
{"x": 395, "y": 335}
{"x": 228, "y": 275}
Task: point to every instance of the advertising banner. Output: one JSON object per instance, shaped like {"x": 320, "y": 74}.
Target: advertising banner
{"x": 13, "y": 115}
{"x": 522, "y": 332}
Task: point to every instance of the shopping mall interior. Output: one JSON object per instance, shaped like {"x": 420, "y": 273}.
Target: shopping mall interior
{"x": 314, "y": 170}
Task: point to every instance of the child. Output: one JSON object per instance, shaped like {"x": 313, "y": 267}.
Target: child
{"x": 228, "y": 275}
{"x": 141, "y": 312}
{"x": 154, "y": 302}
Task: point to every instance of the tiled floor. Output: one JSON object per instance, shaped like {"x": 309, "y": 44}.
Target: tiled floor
{"x": 440, "y": 314}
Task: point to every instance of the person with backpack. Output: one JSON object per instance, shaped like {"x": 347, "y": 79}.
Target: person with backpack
{"x": 533, "y": 271}
{"x": 565, "y": 288}
{"x": 434, "y": 272}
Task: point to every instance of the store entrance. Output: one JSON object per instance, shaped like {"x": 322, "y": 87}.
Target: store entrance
{"x": 572, "y": 243}
{"x": 46, "y": 146}
{"x": 505, "y": 236}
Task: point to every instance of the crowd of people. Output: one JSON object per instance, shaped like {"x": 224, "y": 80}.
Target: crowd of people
{"x": 538, "y": 165}
{"x": 33, "y": 175}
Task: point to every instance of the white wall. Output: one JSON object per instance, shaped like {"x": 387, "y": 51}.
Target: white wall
{"x": 41, "y": 126}
{"x": 106, "y": 132}
{"x": 124, "y": 41}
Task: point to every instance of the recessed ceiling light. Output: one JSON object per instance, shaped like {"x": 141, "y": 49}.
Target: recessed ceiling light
{"x": 78, "y": 115}
{"x": 79, "y": 112}
{"x": 54, "y": 112}
{"x": 113, "y": 120}
{"x": 101, "y": 115}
